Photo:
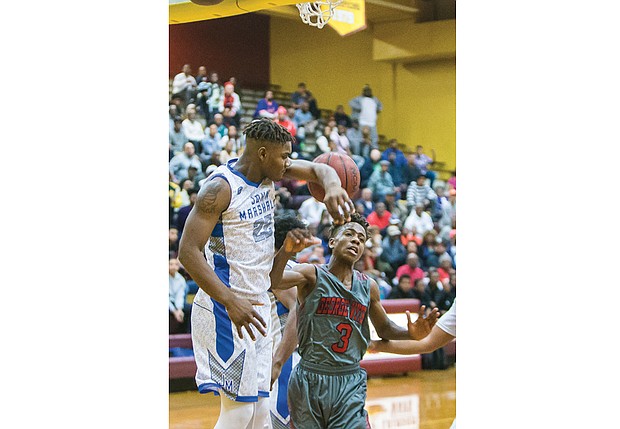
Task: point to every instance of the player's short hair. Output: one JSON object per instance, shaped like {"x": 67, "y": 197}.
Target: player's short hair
{"x": 355, "y": 217}
{"x": 265, "y": 129}
{"x": 285, "y": 221}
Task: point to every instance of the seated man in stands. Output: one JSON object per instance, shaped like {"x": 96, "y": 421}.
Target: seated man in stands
{"x": 267, "y": 107}
{"x": 301, "y": 95}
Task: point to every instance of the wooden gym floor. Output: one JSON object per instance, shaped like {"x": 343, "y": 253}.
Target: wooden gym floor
{"x": 419, "y": 400}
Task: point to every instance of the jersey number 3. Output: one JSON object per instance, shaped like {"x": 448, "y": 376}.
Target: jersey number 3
{"x": 345, "y": 331}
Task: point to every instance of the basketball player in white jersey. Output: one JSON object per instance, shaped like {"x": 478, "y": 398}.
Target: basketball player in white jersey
{"x": 228, "y": 249}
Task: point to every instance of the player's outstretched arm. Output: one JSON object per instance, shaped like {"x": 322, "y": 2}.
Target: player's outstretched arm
{"x": 337, "y": 201}
{"x": 213, "y": 199}
{"x": 435, "y": 340}
{"x": 389, "y": 330}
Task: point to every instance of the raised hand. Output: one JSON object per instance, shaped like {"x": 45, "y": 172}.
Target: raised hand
{"x": 298, "y": 239}
{"x": 423, "y": 324}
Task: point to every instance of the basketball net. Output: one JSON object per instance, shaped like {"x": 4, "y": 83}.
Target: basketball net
{"x": 317, "y": 13}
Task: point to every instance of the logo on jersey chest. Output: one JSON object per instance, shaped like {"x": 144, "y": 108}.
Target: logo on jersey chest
{"x": 337, "y": 306}
{"x": 260, "y": 204}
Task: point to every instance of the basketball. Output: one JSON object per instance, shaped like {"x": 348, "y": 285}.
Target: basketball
{"x": 346, "y": 169}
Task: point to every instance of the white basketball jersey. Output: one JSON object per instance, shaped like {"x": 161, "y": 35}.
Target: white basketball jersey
{"x": 241, "y": 247}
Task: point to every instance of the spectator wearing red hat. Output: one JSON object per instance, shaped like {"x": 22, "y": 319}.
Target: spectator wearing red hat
{"x": 284, "y": 120}
{"x": 230, "y": 105}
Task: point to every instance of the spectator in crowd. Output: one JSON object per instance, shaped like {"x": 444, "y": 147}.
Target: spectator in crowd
{"x": 267, "y": 107}
{"x": 380, "y": 217}
{"x": 429, "y": 240}
{"x": 195, "y": 175}
{"x": 302, "y": 94}
{"x": 230, "y": 105}
{"x": 354, "y": 134}
{"x": 419, "y": 220}
{"x": 452, "y": 181}
{"x": 423, "y": 162}
{"x": 184, "y": 85}
{"x": 341, "y": 117}
{"x": 367, "y": 145}
{"x": 237, "y": 140}
{"x": 202, "y": 75}
{"x": 173, "y": 112}
{"x": 421, "y": 293}
{"x": 186, "y": 186}
{"x": 339, "y": 137}
{"x": 381, "y": 182}
{"x": 371, "y": 164}
{"x": 211, "y": 143}
{"x": 177, "y": 137}
{"x": 447, "y": 297}
{"x": 228, "y": 152}
{"x": 403, "y": 289}
{"x": 445, "y": 265}
{"x": 180, "y": 163}
{"x": 365, "y": 108}
{"x": 396, "y": 172}
{"x": 174, "y": 197}
{"x": 311, "y": 210}
{"x": 452, "y": 248}
{"x": 384, "y": 287}
{"x": 304, "y": 121}
{"x": 366, "y": 201}
{"x": 218, "y": 120}
{"x": 399, "y": 159}
{"x": 442, "y": 208}
{"x": 283, "y": 119}
{"x": 183, "y": 212}
{"x": 433, "y": 258}
{"x": 434, "y": 287}
{"x": 215, "y": 95}
{"x": 322, "y": 141}
{"x": 411, "y": 267}
{"x": 394, "y": 207}
{"x": 173, "y": 241}
{"x": 393, "y": 254}
{"x": 410, "y": 173}
{"x": 193, "y": 128}
{"x": 176, "y": 298}
{"x": 419, "y": 192}
{"x": 203, "y": 90}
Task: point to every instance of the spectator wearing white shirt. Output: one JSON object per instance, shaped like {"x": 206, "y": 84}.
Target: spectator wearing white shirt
{"x": 193, "y": 128}
{"x": 420, "y": 220}
{"x": 184, "y": 85}
{"x": 365, "y": 108}
{"x": 311, "y": 210}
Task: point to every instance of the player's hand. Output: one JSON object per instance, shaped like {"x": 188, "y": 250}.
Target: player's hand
{"x": 276, "y": 369}
{"x": 338, "y": 204}
{"x": 423, "y": 324}
{"x": 243, "y": 314}
{"x": 298, "y": 239}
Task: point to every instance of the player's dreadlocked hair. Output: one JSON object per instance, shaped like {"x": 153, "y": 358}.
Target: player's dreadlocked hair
{"x": 355, "y": 217}
{"x": 267, "y": 130}
{"x": 285, "y": 221}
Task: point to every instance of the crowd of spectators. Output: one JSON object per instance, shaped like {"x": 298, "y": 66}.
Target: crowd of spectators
{"x": 411, "y": 247}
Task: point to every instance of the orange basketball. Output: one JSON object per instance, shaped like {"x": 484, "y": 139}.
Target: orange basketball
{"x": 346, "y": 169}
